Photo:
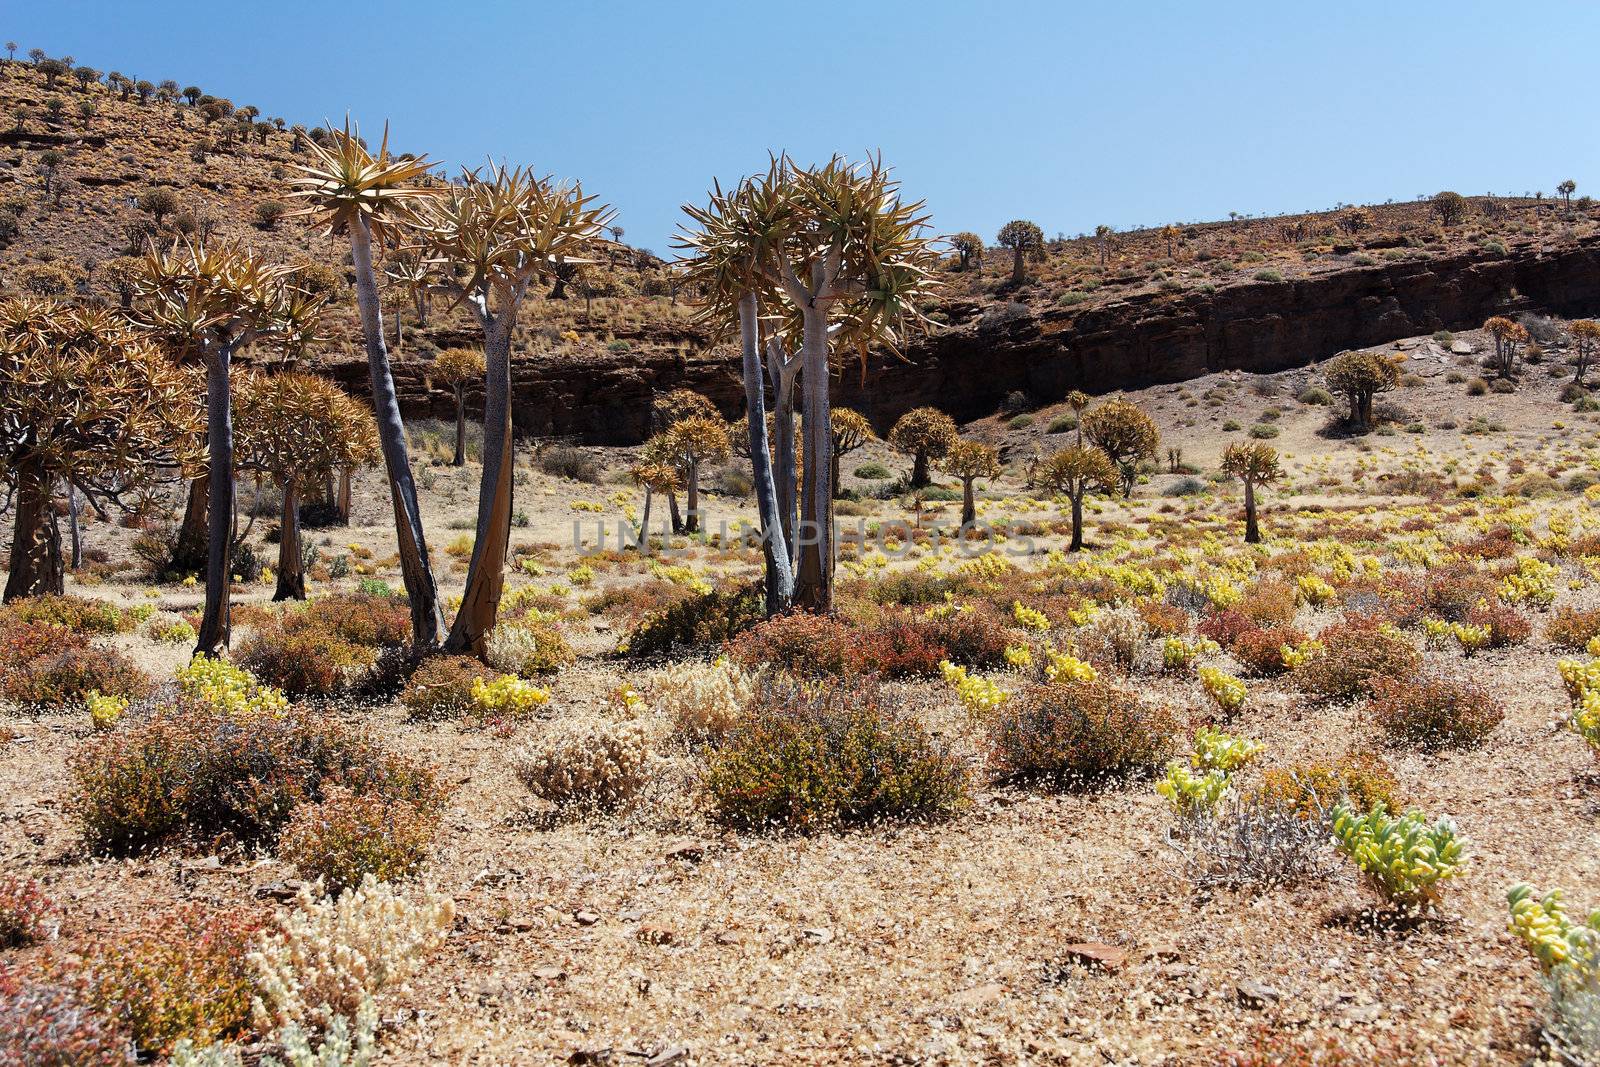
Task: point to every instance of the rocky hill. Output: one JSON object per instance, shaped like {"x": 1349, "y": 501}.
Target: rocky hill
{"x": 1099, "y": 313}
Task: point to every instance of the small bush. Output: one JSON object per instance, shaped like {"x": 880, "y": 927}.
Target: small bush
{"x": 1075, "y": 734}
{"x": 1255, "y": 842}
{"x": 441, "y": 687}
{"x": 1433, "y": 713}
{"x": 1263, "y": 431}
{"x": 192, "y": 772}
{"x": 1019, "y": 422}
{"x": 1312, "y": 789}
{"x": 302, "y": 663}
{"x": 1316, "y": 395}
{"x": 49, "y": 1024}
{"x": 586, "y": 763}
{"x": 873, "y": 472}
{"x": 79, "y": 614}
{"x": 26, "y": 914}
{"x": 68, "y": 677}
{"x": 566, "y": 462}
{"x": 183, "y": 975}
{"x": 528, "y": 648}
{"x": 1404, "y": 858}
{"x": 1477, "y": 387}
{"x": 1062, "y": 424}
{"x": 1506, "y": 625}
{"x": 799, "y": 641}
{"x": 808, "y": 758}
{"x": 1260, "y": 651}
{"x": 1354, "y": 654}
{"x": 701, "y": 621}
{"x": 1572, "y": 628}
{"x": 346, "y": 836}
{"x": 704, "y": 701}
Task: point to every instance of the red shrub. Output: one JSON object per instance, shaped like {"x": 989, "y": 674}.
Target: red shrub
{"x": 1433, "y": 713}
{"x": 1507, "y": 626}
{"x": 49, "y": 1025}
{"x": 1261, "y": 651}
{"x": 25, "y": 912}
{"x": 64, "y": 678}
{"x": 798, "y": 642}
{"x": 1224, "y": 627}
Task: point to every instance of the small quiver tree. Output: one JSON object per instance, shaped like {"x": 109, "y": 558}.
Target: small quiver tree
{"x": 851, "y": 431}
{"x": 1359, "y": 377}
{"x": 1074, "y": 473}
{"x": 969, "y": 461}
{"x": 1122, "y": 430}
{"x": 454, "y": 368}
{"x": 1253, "y": 464}
{"x": 924, "y": 434}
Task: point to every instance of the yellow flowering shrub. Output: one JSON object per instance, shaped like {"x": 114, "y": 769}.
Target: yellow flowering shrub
{"x": 1197, "y": 786}
{"x": 1028, "y": 617}
{"x": 978, "y": 695}
{"x": 1179, "y": 653}
{"x": 507, "y": 696}
{"x": 1060, "y": 667}
{"x": 1310, "y": 589}
{"x": 1224, "y": 689}
{"x": 1542, "y": 924}
{"x": 104, "y": 708}
{"x": 1534, "y": 582}
{"x": 228, "y": 688}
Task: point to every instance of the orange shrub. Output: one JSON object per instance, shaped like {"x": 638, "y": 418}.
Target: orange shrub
{"x": 1433, "y": 713}
{"x": 1074, "y": 734}
{"x": 1356, "y": 652}
{"x": 1260, "y": 652}
{"x": 347, "y": 836}
{"x": 1572, "y": 628}
{"x": 1313, "y": 788}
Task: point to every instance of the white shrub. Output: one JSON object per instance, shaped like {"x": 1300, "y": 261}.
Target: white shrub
{"x": 587, "y": 761}
{"x": 702, "y": 700}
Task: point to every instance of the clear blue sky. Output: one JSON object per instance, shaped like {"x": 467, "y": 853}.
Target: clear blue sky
{"x": 1068, "y": 114}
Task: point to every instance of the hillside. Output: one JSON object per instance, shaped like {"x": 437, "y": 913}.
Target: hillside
{"x": 1100, "y": 313}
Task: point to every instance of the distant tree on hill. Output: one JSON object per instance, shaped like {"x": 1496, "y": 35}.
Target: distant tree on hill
{"x": 1169, "y": 233}
{"x": 1025, "y": 240}
{"x": 37, "y": 55}
{"x": 86, "y": 76}
{"x": 1566, "y": 189}
{"x": 11, "y": 51}
{"x": 50, "y": 161}
{"x": 192, "y": 93}
{"x": 1358, "y": 377}
{"x": 1450, "y": 208}
{"x": 1122, "y": 430}
{"x": 968, "y": 248}
{"x": 53, "y": 69}
{"x": 168, "y": 92}
{"x": 1354, "y": 220}
{"x": 1585, "y": 342}
{"x": 1102, "y": 242}
{"x": 1509, "y": 337}
{"x": 145, "y": 89}
{"x": 851, "y": 431}
{"x": 159, "y": 202}
{"x": 120, "y": 84}
{"x": 924, "y": 434}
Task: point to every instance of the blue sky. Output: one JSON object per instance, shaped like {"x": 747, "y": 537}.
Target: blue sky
{"x": 1072, "y": 115}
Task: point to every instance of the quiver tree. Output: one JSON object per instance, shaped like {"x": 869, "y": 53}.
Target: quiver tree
{"x": 924, "y": 434}
{"x": 493, "y": 234}
{"x": 299, "y": 429}
{"x": 1026, "y": 241}
{"x": 1078, "y": 401}
{"x": 88, "y": 402}
{"x": 842, "y": 261}
{"x": 354, "y": 192}
{"x": 1585, "y": 342}
{"x": 653, "y": 477}
{"x": 409, "y": 273}
{"x": 1074, "y": 473}
{"x": 204, "y": 303}
{"x": 969, "y": 461}
{"x": 1253, "y": 464}
{"x": 851, "y": 431}
{"x": 1358, "y": 377}
{"x": 1509, "y": 338}
{"x": 690, "y": 443}
{"x": 1122, "y": 430}
{"x": 968, "y": 248}
{"x": 455, "y": 367}
{"x": 1448, "y": 207}
{"x": 666, "y": 411}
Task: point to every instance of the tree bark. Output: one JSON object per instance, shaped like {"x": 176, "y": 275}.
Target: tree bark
{"x": 461, "y": 426}
{"x": 969, "y": 505}
{"x": 774, "y": 540}
{"x": 691, "y": 495}
{"x": 784, "y": 371}
{"x": 74, "y": 507}
{"x": 189, "y": 553}
{"x": 416, "y": 571}
{"x": 1018, "y": 272}
{"x": 1077, "y": 524}
{"x": 919, "y": 469}
{"x": 644, "y": 523}
{"x": 214, "y": 623}
{"x": 1252, "y": 533}
{"x": 677, "y": 516}
{"x": 480, "y": 604}
{"x": 345, "y": 476}
{"x": 291, "y": 566}
{"x": 814, "y": 581}
{"x": 36, "y": 540}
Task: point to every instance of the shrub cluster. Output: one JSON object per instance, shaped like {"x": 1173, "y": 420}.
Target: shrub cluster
{"x": 325, "y": 646}
{"x": 807, "y": 757}
{"x": 703, "y": 701}
{"x": 1432, "y": 712}
{"x": 192, "y": 772}
{"x": 594, "y": 763}
{"x": 441, "y": 687}
{"x": 529, "y": 647}
{"x": 1071, "y": 734}
{"x": 704, "y": 620}
{"x": 26, "y": 914}
{"x": 347, "y": 836}
{"x": 893, "y": 643}
{"x": 1353, "y": 654}
{"x": 1312, "y": 789}
{"x": 50, "y": 1024}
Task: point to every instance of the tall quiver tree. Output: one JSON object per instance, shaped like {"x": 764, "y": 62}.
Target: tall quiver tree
{"x": 367, "y": 197}
{"x": 729, "y": 250}
{"x": 89, "y": 402}
{"x": 299, "y": 428}
{"x": 693, "y": 442}
{"x": 851, "y": 431}
{"x": 455, "y": 368}
{"x": 969, "y": 461}
{"x": 205, "y": 303}
{"x": 492, "y": 234}
{"x": 1253, "y": 464}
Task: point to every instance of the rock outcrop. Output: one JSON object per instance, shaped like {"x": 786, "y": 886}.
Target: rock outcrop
{"x": 991, "y": 350}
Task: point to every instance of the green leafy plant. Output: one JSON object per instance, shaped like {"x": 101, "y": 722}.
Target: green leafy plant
{"x": 1405, "y": 858}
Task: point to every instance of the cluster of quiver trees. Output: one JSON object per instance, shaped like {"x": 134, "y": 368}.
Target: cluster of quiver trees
{"x": 805, "y": 265}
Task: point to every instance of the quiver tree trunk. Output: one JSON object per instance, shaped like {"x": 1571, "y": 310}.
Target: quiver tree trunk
{"x": 1077, "y": 524}
{"x": 460, "y": 459}
{"x": 74, "y": 509}
{"x": 691, "y": 496}
{"x": 1018, "y": 269}
{"x": 36, "y": 540}
{"x": 291, "y": 563}
{"x": 919, "y": 469}
{"x": 415, "y": 569}
{"x": 342, "y": 500}
{"x": 672, "y": 509}
{"x": 969, "y": 504}
{"x": 1252, "y": 533}
{"x": 814, "y": 577}
{"x": 189, "y": 551}
{"x": 480, "y": 604}
{"x": 214, "y": 622}
{"x": 774, "y": 539}
{"x": 644, "y": 522}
